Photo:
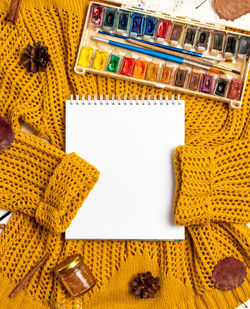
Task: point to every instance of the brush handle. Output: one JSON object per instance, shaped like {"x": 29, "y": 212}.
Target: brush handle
{"x": 144, "y": 51}
{"x": 198, "y": 65}
{"x": 176, "y": 49}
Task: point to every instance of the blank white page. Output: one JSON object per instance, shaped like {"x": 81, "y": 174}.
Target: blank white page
{"x": 132, "y": 144}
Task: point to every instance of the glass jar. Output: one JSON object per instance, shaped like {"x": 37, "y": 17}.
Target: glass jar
{"x": 75, "y": 275}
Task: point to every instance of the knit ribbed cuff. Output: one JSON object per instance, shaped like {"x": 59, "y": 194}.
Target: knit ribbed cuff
{"x": 43, "y": 182}
{"x": 212, "y": 184}
{"x": 69, "y": 186}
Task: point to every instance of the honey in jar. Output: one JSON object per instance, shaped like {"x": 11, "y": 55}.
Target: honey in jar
{"x": 75, "y": 275}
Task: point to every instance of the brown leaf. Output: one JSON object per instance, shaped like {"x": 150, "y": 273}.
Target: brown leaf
{"x": 231, "y": 9}
{"x": 6, "y": 134}
{"x": 229, "y": 273}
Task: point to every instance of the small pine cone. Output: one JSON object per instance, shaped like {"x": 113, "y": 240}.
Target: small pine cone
{"x": 145, "y": 285}
{"x": 35, "y": 58}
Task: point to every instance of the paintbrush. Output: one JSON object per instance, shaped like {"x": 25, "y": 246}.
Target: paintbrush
{"x": 156, "y": 54}
{"x": 176, "y": 49}
{"x": 204, "y": 62}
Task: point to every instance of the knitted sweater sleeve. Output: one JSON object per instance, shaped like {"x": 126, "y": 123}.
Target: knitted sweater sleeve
{"x": 42, "y": 181}
{"x": 213, "y": 184}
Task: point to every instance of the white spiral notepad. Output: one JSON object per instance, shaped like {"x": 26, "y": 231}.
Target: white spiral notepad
{"x": 131, "y": 143}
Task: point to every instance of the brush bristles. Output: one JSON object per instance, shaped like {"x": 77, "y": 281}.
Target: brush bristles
{"x": 236, "y": 72}
{"x": 216, "y": 71}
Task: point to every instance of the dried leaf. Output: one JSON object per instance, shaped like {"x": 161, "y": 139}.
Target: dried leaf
{"x": 229, "y": 273}
{"x": 231, "y": 9}
{"x": 6, "y": 134}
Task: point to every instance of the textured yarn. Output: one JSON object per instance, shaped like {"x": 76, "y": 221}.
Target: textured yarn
{"x": 45, "y": 187}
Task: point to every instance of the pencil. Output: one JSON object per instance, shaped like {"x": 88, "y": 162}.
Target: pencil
{"x": 5, "y": 215}
{"x": 157, "y": 54}
{"x": 201, "y": 61}
{"x": 176, "y": 49}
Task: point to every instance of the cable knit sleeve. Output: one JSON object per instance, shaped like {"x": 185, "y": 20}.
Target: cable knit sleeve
{"x": 44, "y": 182}
{"x": 213, "y": 184}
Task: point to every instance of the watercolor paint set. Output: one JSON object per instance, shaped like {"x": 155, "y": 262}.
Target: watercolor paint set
{"x": 163, "y": 51}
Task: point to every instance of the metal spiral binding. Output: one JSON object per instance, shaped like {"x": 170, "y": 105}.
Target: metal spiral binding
{"x": 107, "y": 100}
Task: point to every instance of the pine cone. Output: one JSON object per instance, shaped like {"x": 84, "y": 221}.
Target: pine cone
{"x": 35, "y": 58}
{"x": 145, "y": 285}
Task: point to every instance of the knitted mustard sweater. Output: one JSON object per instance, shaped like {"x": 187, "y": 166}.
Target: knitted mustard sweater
{"x": 44, "y": 187}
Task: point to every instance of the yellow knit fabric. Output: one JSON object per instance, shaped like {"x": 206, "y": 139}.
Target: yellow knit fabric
{"x": 45, "y": 187}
